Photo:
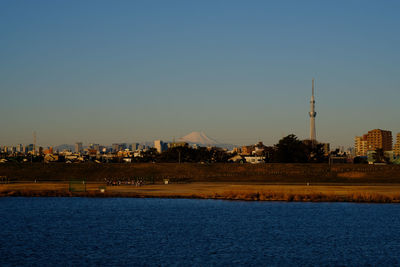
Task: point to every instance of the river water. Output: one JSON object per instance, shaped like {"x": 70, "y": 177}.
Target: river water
{"x": 136, "y": 232}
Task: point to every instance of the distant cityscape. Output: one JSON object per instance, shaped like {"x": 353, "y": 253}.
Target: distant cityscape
{"x": 376, "y": 146}
{"x": 365, "y": 150}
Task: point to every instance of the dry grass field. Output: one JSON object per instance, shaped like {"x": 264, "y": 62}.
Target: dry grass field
{"x": 205, "y": 173}
{"x": 228, "y": 191}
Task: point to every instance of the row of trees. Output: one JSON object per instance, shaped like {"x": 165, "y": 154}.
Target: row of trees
{"x": 292, "y": 150}
{"x": 185, "y": 154}
{"x": 288, "y": 150}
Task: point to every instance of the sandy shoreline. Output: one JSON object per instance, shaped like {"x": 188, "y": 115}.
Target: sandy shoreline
{"x": 229, "y": 191}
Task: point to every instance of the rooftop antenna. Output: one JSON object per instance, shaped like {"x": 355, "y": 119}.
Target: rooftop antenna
{"x": 313, "y": 82}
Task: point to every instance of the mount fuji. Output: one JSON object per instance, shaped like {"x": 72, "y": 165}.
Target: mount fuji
{"x": 198, "y": 138}
{"x": 201, "y": 139}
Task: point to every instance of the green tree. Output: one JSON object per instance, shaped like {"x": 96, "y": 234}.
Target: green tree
{"x": 187, "y": 154}
{"x": 315, "y": 152}
{"x": 290, "y": 150}
{"x": 147, "y": 156}
{"x": 379, "y": 156}
{"x": 360, "y": 160}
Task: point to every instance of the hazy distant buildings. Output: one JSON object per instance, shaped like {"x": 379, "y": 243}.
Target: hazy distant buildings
{"x": 96, "y": 147}
{"x": 141, "y": 147}
{"x": 20, "y": 148}
{"x": 119, "y": 147}
{"x": 30, "y": 148}
{"x": 115, "y": 147}
{"x": 160, "y": 146}
{"x": 134, "y": 147}
{"x": 78, "y": 147}
{"x": 48, "y": 150}
{"x": 92, "y": 152}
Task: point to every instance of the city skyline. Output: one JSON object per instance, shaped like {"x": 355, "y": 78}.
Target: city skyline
{"x": 197, "y": 139}
{"x": 125, "y": 72}
{"x": 199, "y": 133}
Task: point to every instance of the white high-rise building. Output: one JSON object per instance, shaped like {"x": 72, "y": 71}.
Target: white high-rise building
{"x": 158, "y": 144}
{"x": 397, "y": 145}
{"x": 20, "y": 148}
{"x": 361, "y": 145}
{"x": 78, "y": 147}
{"x": 312, "y": 114}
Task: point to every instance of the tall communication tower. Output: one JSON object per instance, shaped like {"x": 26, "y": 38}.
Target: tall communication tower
{"x": 312, "y": 114}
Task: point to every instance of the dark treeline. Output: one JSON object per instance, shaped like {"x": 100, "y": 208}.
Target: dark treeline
{"x": 292, "y": 150}
{"x": 186, "y": 154}
{"x": 288, "y": 150}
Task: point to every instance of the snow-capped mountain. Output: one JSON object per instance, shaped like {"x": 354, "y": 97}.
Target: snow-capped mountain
{"x": 198, "y": 138}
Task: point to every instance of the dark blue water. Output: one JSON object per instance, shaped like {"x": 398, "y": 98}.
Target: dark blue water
{"x": 85, "y": 231}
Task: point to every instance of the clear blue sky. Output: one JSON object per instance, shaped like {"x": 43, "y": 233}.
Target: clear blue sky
{"x": 126, "y": 71}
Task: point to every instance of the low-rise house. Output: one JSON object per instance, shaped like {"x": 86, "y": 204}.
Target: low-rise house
{"x": 50, "y": 158}
{"x": 255, "y": 159}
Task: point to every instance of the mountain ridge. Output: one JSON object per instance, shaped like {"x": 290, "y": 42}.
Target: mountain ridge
{"x": 199, "y": 138}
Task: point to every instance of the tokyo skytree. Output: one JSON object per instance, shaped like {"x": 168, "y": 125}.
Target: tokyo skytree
{"x": 312, "y": 114}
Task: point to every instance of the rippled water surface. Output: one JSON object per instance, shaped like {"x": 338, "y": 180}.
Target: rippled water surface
{"x": 123, "y": 231}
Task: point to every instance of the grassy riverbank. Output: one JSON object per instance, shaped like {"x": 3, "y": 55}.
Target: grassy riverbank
{"x": 206, "y": 173}
{"x": 227, "y": 191}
